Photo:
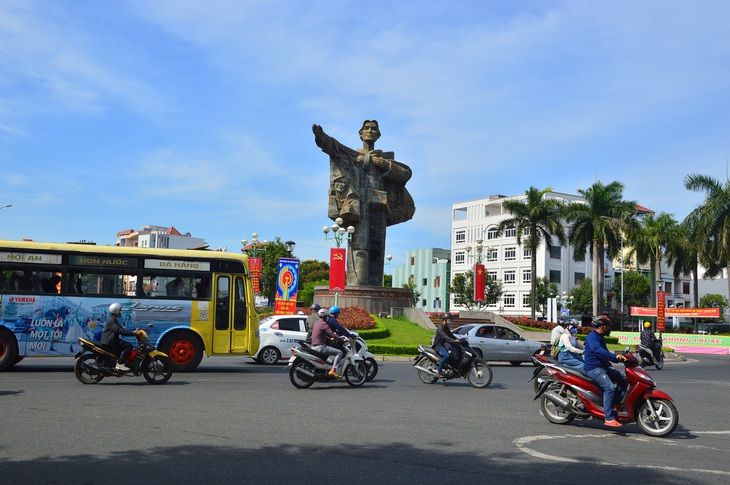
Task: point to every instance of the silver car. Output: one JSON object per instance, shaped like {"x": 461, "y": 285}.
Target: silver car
{"x": 497, "y": 343}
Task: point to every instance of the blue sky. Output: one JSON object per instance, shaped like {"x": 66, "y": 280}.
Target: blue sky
{"x": 198, "y": 114}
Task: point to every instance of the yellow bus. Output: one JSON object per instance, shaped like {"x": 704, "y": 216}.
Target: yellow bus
{"x": 190, "y": 302}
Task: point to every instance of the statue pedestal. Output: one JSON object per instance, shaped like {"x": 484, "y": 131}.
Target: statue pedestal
{"x": 373, "y": 299}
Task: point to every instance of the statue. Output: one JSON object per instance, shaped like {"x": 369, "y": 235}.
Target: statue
{"x": 368, "y": 191}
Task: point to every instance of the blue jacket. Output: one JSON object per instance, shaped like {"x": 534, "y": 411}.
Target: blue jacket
{"x": 337, "y": 328}
{"x": 596, "y": 354}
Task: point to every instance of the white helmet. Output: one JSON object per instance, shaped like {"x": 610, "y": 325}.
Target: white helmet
{"x": 323, "y": 312}
{"x": 116, "y": 309}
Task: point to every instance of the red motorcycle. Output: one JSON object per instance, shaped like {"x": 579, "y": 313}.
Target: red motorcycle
{"x": 566, "y": 394}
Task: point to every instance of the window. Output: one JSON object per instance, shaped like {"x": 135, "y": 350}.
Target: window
{"x": 668, "y": 286}
{"x": 460, "y": 214}
{"x": 526, "y": 231}
{"x": 554, "y": 276}
{"x": 410, "y": 279}
{"x": 526, "y": 253}
{"x": 510, "y": 277}
{"x": 492, "y": 254}
{"x": 506, "y": 334}
{"x": 492, "y": 275}
{"x": 509, "y": 300}
{"x": 460, "y": 236}
{"x": 491, "y": 233}
{"x": 459, "y": 257}
{"x": 290, "y": 324}
{"x": 685, "y": 287}
{"x": 510, "y": 254}
{"x": 424, "y": 282}
{"x": 413, "y": 261}
{"x": 437, "y": 282}
{"x": 527, "y": 276}
{"x": 526, "y": 300}
{"x": 555, "y": 252}
{"x": 424, "y": 303}
{"x": 510, "y": 232}
{"x": 437, "y": 302}
{"x": 578, "y": 277}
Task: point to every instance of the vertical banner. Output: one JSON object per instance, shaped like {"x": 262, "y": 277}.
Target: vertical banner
{"x": 256, "y": 269}
{"x": 287, "y": 282}
{"x": 661, "y": 302}
{"x": 337, "y": 269}
{"x": 479, "y": 283}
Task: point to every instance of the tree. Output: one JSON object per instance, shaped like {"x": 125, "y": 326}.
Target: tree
{"x": 415, "y": 294}
{"x": 713, "y": 300}
{"x": 582, "y": 303}
{"x": 388, "y": 281}
{"x": 594, "y": 227}
{"x": 649, "y": 240}
{"x": 270, "y": 267}
{"x": 544, "y": 289}
{"x": 537, "y": 219}
{"x": 462, "y": 289}
{"x": 306, "y": 291}
{"x": 313, "y": 270}
{"x": 637, "y": 289}
{"x": 712, "y": 220}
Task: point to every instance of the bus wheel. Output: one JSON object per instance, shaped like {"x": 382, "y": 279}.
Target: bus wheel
{"x": 8, "y": 350}
{"x": 185, "y": 351}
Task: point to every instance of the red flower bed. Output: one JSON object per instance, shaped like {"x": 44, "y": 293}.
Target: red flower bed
{"x": 352, "y": 318}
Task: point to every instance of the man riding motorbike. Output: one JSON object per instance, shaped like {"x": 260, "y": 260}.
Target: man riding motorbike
{"x": 110, "y": 336}
{"x": 649, "y": 340}
{"x": 444, "y": 341}
{"x": 597, "y": 363}
{"x": 324, "y": 339}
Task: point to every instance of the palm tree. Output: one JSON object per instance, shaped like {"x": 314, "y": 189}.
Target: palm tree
{"x": 712, "y": 220}
{"x": 537, "y": 219}
{"x": 594, "y": 227}
{"x": 650, "y": 241}
{"x": 683, "y": 254}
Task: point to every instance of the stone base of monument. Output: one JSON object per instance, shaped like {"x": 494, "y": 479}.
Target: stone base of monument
{"x": 373, "y": 299}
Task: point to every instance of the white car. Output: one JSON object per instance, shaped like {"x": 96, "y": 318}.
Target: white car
{"x": 278, "y": 334}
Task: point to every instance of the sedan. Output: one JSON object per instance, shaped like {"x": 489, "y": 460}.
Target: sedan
{"x": 498, "y": 343}
{"x": 278, "y": 334}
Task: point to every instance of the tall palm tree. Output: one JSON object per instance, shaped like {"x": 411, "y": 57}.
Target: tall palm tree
{"x": 650, "y": 242}
{"x": 594, "y": 227}
{"x": 537, "y": 219}
{"x": 713, "y": 223}
{"x": 683, "y": 254}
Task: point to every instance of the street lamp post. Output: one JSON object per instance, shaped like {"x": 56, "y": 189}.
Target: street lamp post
{"x": 257, "y": 246}
{"x": 618, "y": 221}
{"x": 289, "y": 245}
{"x": 339, "y": 235}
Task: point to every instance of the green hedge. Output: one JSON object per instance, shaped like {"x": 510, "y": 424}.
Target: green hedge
{"x": 385, "y": 349}
{"x": 380, "y": 331}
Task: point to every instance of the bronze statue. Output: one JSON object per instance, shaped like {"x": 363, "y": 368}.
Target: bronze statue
{"x": 368, "y": 191}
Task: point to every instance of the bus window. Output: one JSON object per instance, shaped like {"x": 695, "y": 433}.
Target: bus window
{"x": 201, "y": 287}
{"x": 239, "y": 322}
{"x": 222, "y": 303}
{"x": 106, "y": 284}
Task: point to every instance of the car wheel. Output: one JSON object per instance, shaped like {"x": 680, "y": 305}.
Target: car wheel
{"x": 515, "y": 362}
{"x": 269, "y": 356}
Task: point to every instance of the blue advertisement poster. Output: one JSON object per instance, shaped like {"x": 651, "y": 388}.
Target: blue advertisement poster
{"x": 49, "y": 325}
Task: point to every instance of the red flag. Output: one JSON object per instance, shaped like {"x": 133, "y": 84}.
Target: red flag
{"x": 255, "y": 265}
{"x": 337, "y": 269}
{"x": 479, "y": 283}
{"x": 661, "y": 304}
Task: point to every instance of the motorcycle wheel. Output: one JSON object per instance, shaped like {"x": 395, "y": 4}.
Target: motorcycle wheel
{"x": 157, "y": 370}
{"x": 356, "y": 374}
{"x": 657, "y": 417}
{"x": 301, "y": 381}
{"x": 86, "y": 374}
{"x": 372, "y": 366}
{"x": 535, "y": 383}
{"x": 425, "y": 377}
{"x": 553, "y": 412}
{"x": 480, "y": 375}
{"x": 659, "y": 363}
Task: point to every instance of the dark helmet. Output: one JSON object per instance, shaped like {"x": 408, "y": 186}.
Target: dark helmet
{"x": 315, "y": 307}
{"x": 601, "y": 320}
{"x": 447, "y": 316}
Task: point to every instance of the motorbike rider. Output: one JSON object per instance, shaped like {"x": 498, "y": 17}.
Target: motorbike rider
{"x": 323, "y": 340}
{"x": 335, "y": 325}
{"x": 313, "y": 317}
{"x": 649, "y": 340}
{"x": 597, "y": 364}
{"x": 443, "y": 341}
{"x": 110, "y": 336}
{"x": 571, "y": 349}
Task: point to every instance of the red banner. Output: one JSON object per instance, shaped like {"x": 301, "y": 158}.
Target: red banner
{"x": 638, "y": 311}
{"x": 479, "y": 283}
{"x": 256, "y": 266}
{"x": 661, "y": 303}
{"x": 337, "y": 269}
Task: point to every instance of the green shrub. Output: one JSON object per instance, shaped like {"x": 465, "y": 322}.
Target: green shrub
{"x": 387, "y": 349}
{"x": 379, "y": 332}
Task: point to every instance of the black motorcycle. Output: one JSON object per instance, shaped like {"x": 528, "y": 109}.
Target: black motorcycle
{"x": 463, "y": 362}
{"x": 95, "y": 362}
{"x": 646, "y": 356}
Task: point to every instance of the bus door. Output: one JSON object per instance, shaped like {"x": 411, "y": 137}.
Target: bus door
{"x": 229, "y": 333}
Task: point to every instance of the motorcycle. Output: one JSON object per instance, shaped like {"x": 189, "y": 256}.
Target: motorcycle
{"x": 361, "y": 349}
{"x": 307, "y": 366}
{"x": 95, "y": 362}
{"x": 469, "y": 365}
{"x": 567, "y": 394}
{"x": 646, "y": 356}
{"x": 540, "y": 373}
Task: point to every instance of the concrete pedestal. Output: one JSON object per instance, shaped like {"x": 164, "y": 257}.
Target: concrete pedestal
{"x": 372, "y": 299}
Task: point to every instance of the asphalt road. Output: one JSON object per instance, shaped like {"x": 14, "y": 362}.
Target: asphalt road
{"x": 233, "y": 422}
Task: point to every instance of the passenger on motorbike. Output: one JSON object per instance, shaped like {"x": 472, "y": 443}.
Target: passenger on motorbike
{"x": 443, "y": 341}
{"x": 110, "y": 336}
{"x": 311, "y": 319}
{"x": 649, "y": 340}
{"x": 571, "y": 349}
{"x": 323, "y": 339}
{"x": 335, "y": 326}
{"x": 597, "y": 364}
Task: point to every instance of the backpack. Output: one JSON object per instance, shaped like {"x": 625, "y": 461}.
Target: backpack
{"x": 555, "y": 350}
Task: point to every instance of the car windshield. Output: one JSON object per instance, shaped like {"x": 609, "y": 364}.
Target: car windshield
{"x": 463, "y": 330}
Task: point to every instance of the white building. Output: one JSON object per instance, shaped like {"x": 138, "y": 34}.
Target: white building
{"x": 474, "y": 225}
{"x": 158, "y": 237}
